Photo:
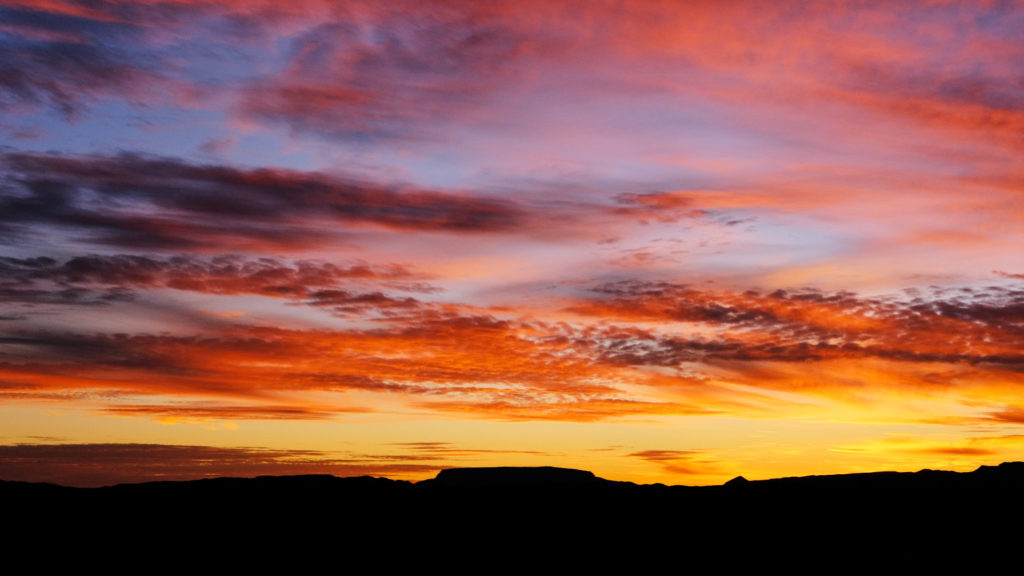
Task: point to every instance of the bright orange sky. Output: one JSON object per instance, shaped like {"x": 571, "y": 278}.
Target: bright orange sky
{"x": 662, "y": 241}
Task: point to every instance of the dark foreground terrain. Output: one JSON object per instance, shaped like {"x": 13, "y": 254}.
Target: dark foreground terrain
{"x": 515, "y": 514}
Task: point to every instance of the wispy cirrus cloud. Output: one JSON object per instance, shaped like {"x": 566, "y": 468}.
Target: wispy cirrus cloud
{"x": 71, "y": 56}
{"x": 369, "y": 72}
{"x": 391, "y": 72}
{"x": 408, "y": 71}
{"x": 448, "y": 449}
{"x": 67, "y": 62}
{"x": 206, "y": 411}
{"x": 971, "y": 447}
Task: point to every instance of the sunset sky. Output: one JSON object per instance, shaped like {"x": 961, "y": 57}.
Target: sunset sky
{"x": 663, "y": 241}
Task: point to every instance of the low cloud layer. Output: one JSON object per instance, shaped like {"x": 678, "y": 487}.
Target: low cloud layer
{"x": 89, "y": 465}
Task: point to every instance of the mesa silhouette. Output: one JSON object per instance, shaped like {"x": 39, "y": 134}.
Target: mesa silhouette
{"x": 885, "y": 514}
{"x": 508, "y": 488}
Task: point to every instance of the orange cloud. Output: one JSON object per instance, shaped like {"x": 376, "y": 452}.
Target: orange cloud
{"x": 680, "y": 462}
{"x": 632, "y": 349}
{"x": 470, "y": 360}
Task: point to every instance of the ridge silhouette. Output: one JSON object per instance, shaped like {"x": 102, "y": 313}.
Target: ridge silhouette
{"x": 910, "y": 518}
{"x": 1005, "y": 475}
{"x": 512, "y": 476}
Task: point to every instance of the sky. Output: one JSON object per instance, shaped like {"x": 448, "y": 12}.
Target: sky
{"x": 661, "y": 241}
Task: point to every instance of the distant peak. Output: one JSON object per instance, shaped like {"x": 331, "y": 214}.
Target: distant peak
{"x": 737, "y": 481}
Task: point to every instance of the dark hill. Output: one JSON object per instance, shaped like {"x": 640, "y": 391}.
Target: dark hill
{"x": 509, "y": 477}
{"x": 908, "y": 517}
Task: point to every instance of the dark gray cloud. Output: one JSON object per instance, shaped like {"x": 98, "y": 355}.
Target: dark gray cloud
{"x": 138, "y": 202}
{"x": 97, "y": 280}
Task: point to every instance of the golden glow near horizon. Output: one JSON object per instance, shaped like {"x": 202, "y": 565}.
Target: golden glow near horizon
{"x": 662, "y": 242}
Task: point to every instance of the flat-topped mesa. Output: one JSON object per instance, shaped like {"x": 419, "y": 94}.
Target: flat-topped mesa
{"x": 513, "y": 476}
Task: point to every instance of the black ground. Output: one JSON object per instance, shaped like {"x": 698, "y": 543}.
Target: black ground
{"x": 926, "y": 518}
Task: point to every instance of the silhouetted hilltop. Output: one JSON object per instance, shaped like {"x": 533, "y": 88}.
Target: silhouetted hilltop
{"x": 508, "y": 476}
{"x": 910, "y": 516}
{"x": 1005, "y": 476}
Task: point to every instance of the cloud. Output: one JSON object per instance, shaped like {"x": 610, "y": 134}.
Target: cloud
{"x": 376, "y": 72}
{"x": 971, "y": 96}
{"x": 663, "y": 455}
{"x": 344, "y": 303}
{"x": 972, "y": 326}
{"x": 102, "y": 279}
{"x": 200, "y": 412}
{"x": 65, "y": 61}
{"x": 70, "y": 464}
{"x": 146, "y": 202}
{"x": 684, "y": 462}
{"x": 633, "y": 349}
{"x": 959, "y": 451}
{"x": 1007, "y": 415}
{"x": 447, "y": 449}
{"x": 107, "y": 464}
{"x": 661, "y": 207}
{"x": 969, "y": 448}
{"x": 71, "y": 55}
{"x": 530, "y": 405}
{"x": 431, "y": 357}
{"x": 217, "y": 275}
{"x": 387, "y": 72}
{"x": 1009, "y": 275}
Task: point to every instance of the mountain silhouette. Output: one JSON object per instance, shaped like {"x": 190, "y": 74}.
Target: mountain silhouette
{"x": 911, "y": 518}
{"x": 510, "y": 476}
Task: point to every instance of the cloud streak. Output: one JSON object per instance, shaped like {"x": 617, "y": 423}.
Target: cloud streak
{"x": 134, "y": 201}
{"x": 975, "y": 326}
{"x": 90, "y": 465}
{"x": 66, "y": 62}
{"x": 635, "y": 350}
{"x": 679, "y": 462}
{"x": 464, "y": 361}
{"x": 97, "y": 280}
{"x": 390, "y": 71}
